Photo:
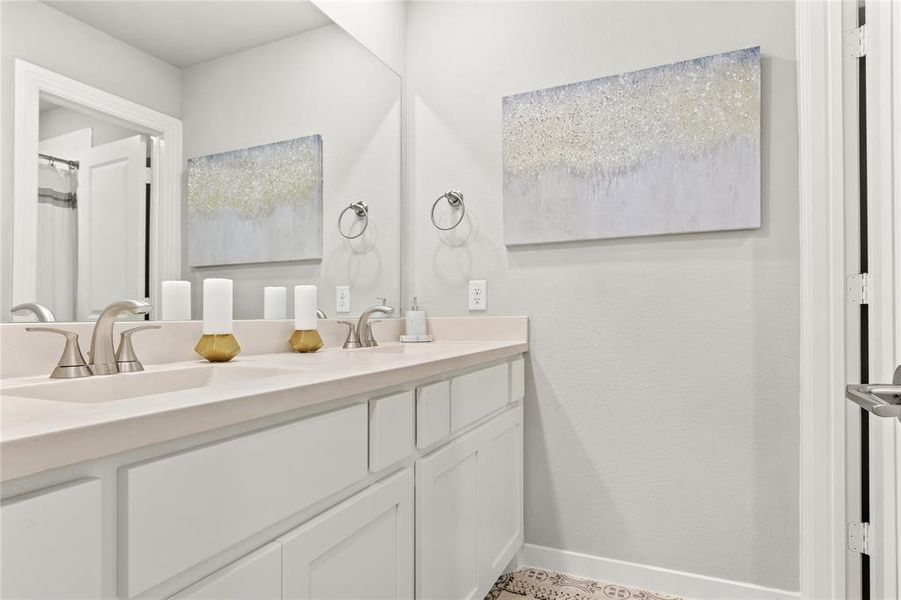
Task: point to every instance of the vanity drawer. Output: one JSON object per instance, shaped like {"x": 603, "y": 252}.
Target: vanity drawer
{"x": 390, "y": 430}
{"x": 478, "y": 394}
{"x": 181, "y": 510}
{"x": 432, "y": 413}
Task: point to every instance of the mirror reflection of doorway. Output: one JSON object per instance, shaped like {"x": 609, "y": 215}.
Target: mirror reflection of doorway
{"x": 92, "y": 213}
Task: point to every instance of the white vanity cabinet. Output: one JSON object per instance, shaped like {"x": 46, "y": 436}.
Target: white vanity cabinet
{"x": 362, "y": 548}
{"x": 411, "y": 491}
{"x": 50, "y": 543}
{"x": 469, "y": 510}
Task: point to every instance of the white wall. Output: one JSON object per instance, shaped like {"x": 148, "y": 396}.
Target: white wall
{"x": 289, "y": 89}
{"x": 377, "y": 24}
{"x": 39, "y": 34}
{"x": 662, "y": 397}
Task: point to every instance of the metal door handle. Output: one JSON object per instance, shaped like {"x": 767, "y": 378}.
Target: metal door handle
{"x": 881, "y": 399}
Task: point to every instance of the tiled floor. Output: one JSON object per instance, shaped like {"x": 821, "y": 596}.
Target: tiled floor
{"x": 537, "y": 584}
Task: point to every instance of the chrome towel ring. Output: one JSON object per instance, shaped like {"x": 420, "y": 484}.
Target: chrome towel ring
{"x": 455, "y": 200}
{"x": 362, "y": 211}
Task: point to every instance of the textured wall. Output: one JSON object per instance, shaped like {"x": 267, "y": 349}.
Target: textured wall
{"x": 662, "y": 401}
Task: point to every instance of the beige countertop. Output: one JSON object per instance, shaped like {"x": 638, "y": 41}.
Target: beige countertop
{"x": 41, "y": 434}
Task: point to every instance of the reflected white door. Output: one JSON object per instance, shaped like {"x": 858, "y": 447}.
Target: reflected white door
{"x": 111, "y": 224}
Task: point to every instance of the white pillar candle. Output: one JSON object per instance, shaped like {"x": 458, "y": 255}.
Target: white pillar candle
{"x": 217, "y": 306}
{"x": 305, "y": 307}
{"x": 275, "y": 301}
{"x": 176, "y": 301}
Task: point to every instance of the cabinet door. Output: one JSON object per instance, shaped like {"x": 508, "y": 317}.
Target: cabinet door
{"x": 51, "y": 543}
{"x": 502, "y": 530}
{"x": 257, "y": 576}
{"x": 447, "y": 520}
{"x": 362, "y": 548}
{"x": 469, "y": 510}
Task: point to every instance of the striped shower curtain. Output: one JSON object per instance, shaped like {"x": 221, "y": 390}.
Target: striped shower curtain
{"x": 57, "y": 239}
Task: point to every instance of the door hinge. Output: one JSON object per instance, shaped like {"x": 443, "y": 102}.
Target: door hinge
{"x": 857, "y": 290}
{"x": 148, "y": 175}
{"x": 856, "y": 42}
{"x": 859, "y": 537}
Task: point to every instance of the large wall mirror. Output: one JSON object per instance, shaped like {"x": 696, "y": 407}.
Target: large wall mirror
{"x": 180, "y": 140}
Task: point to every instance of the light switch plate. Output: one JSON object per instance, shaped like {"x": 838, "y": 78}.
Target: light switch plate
{"x": 478, "y": 295}
{"x": 342, "y": 298}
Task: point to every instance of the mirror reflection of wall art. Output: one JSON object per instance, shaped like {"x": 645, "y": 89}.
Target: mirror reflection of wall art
{"x": 671, "y": 149}
{"x": 260, "y": 204}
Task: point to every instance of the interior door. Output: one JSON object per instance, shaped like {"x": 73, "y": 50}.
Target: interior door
{"x": 112, "y": 215}
{"x": 874, "y": 315}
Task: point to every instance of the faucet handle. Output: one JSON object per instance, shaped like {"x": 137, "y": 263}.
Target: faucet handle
{"x": 352, "y": 340}
{"x": 126, "y": 359}
{"x": 71, "y": 364}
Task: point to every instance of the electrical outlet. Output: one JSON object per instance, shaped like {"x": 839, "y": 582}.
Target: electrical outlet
{"x": 478, "y": 295}
{"x": 342, "y": 298}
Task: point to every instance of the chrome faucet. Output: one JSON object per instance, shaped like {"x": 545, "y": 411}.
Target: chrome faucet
{"x": 41, "y": 312}
{"x": 364, "y": 326}
{"x": 103, "y": 354}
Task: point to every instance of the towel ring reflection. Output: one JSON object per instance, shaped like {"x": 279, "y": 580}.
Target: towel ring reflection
{"x": 362, "y": 211}
{"x": 455, "y": 200}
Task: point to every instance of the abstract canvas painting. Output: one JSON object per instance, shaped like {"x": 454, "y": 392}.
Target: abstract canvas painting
{"x": 260, "y": 204}
{"x": 671, "y": 149}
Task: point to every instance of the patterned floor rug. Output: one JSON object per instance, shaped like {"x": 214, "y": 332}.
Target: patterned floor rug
{"x": 537, "y": 584}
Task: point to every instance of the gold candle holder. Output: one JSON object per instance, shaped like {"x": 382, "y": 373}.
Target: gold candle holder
{"x": 217, "y": 347}
{"x": 306, "y": 340}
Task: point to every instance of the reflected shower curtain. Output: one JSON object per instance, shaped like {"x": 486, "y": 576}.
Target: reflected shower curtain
{"x": 57, "y": 239}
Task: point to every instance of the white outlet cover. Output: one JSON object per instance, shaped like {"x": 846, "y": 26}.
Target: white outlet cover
{"x": 478, "y": 295}
{"x": 342, "y": 298}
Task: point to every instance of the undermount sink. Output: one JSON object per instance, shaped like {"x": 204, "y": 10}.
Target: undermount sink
{"x": 409, "y": 348}
{"x": 90, "y": 390}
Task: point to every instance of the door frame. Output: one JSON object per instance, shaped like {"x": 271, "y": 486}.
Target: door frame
{"x": 823, "y": 176}
{"x": 31, "y": 82}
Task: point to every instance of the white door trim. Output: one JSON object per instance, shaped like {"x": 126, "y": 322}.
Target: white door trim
{"x": 31, "y": 81}
{"x": 821, "y": 181}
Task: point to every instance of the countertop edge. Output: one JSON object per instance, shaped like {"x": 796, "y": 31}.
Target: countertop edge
{"x": 34, "y": 454}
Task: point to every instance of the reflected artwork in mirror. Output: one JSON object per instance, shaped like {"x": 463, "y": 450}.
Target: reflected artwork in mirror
{"x": 256, "y": 205}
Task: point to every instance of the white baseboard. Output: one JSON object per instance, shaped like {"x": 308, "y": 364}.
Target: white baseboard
{"x": 655, "y": 579}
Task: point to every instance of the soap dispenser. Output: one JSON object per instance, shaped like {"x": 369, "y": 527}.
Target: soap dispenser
{"x": 416, "y": 325}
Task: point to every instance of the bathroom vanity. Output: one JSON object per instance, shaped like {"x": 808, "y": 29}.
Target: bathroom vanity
{"x": 389, "y": 472}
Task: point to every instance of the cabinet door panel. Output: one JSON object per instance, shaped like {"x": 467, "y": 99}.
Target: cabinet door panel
{"x": 257, "y": 576}
{"x": 447, "y": 521}
{"x": 502, "y": 492}
{"x": 469, "y": 510}
{"x": 51, "y": 543}
{"x": 362, "y": 548}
